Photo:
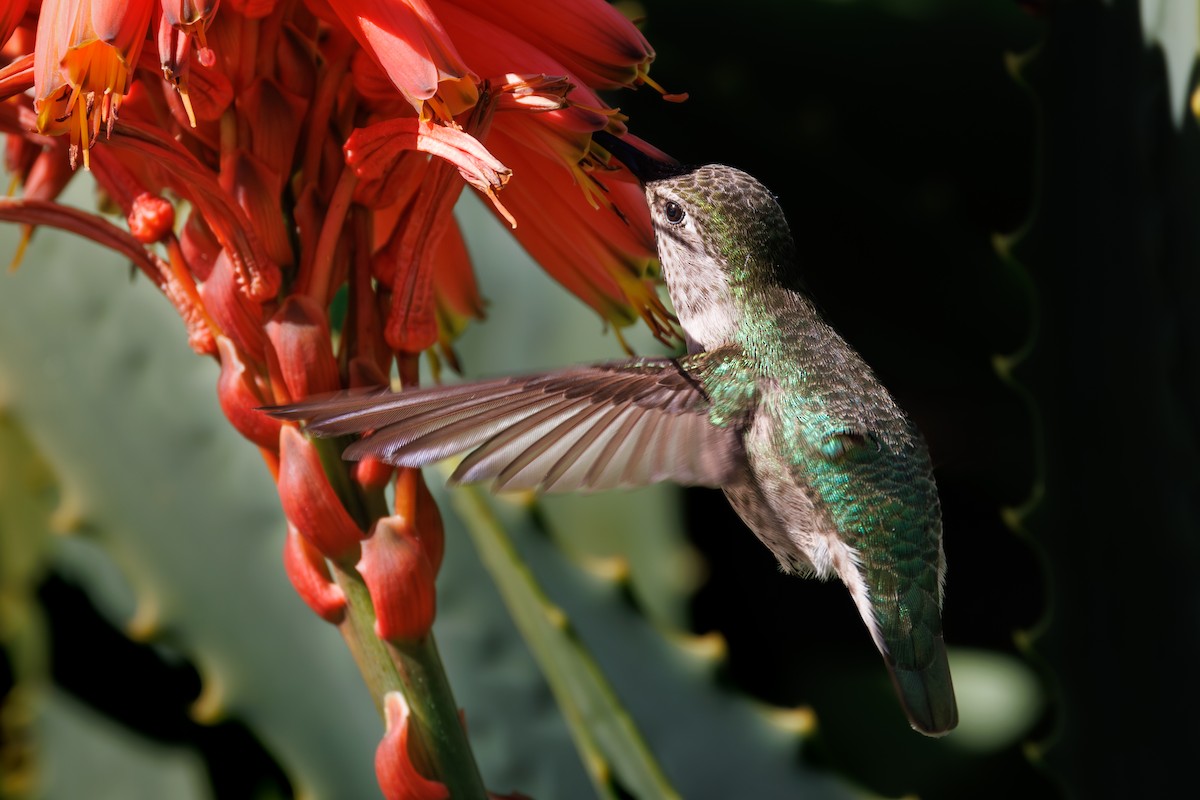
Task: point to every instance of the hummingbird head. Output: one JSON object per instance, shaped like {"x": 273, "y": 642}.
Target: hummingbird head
{"x": 721, "y": 237}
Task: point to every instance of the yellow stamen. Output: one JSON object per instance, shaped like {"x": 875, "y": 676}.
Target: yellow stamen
{"x": 670, "y": 97}
{"x": 187, "y": 104}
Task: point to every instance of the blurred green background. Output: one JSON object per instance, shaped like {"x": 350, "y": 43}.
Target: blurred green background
{"x": 995, "y": 202}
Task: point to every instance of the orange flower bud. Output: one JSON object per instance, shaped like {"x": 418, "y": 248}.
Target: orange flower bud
{"x": 371, "y": 473}
{"x": 309, "y": 502}
{"x": 299, "y": 332}
{"x": 397, "y": 775}
{"x": 309, "y": 574}
{"x": 400, "y": 579}
{"x": 151, "y": 218}
{"x": 240, "y": 399}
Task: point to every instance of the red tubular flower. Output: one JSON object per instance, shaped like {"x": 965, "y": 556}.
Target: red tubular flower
{"x": 374, "y": 153}
{"x": 408, "y": 41}
{"x": 565, "y": 128}
{"x": 590, "y": 37}
{"x": 299, "y": 333}
{"x": 241, "y": 400}
{"x": 600, "y": 256}
{"x": 180, "y": 31}
{"x": 85, "y": 54}
{"x": 398, "y": 776}
{"x": 400, "y": 578}
{"x": 309, "y": 574}
{"x": 309, "y": 502}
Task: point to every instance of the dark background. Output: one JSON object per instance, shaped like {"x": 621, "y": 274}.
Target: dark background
{"x": 949, "y": 211}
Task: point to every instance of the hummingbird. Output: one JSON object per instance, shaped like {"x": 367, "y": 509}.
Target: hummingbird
{"x": 769, "y": 404}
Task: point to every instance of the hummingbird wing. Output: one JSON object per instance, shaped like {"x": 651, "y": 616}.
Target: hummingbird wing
{"x": 602, "y": 426}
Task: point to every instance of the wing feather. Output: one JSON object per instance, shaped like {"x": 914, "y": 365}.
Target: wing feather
{"x": 620, "y": 424}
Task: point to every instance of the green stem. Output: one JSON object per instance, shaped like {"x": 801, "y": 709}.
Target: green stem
{"x": 439, "y": 742}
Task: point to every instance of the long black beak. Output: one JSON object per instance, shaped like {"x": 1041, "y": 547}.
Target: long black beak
{"x": 646, "y": 162}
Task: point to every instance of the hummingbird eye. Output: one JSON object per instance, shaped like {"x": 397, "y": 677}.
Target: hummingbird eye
{"x": 674, "y": 212}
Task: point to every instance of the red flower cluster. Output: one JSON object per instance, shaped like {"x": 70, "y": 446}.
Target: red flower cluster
{"x": 271, "y": 155}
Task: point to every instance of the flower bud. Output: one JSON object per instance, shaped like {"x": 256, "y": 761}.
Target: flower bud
{"x": 299, "y": 332}
{"x": 397, "y": 775}
{"x": 371, "y": 473}
{"x": 414, "y": 501}
{"x": 151, "y": 218}
{"x": 309, "y": 502}
{"x": 400, "y": 579}
{"x": 240, "y": 399}
{"x": 238, "y": 317}
{"x": 309, "y": 574}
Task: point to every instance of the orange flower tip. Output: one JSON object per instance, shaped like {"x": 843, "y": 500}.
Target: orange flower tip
{"x": 371, "y": 473}
{"x": 309, "y": 574}
{"x": 676, "y": 97}
{"x": 414, "y": 501}
{"x": 151, "y": 218}
{"x": 310, "y": 503}
{"x": 400, "y": 579}
{"x": 397, "y": 775}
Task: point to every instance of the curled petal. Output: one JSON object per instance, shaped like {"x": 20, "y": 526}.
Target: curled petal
{"x": 241, "y": 400}
{"x": 299, "y": 333}
{"x": 397, "y": 775}
{"x": 374, "y": 152}
{"x": 400, "y": 579}
{"x": 308, "y": 500}
{"x": 309, "y": 574}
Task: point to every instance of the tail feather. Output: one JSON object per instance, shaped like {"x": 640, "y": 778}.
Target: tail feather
{"x": 927, "y": 693}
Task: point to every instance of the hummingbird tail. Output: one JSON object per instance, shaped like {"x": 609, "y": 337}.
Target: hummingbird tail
{"x": 927, "y": 694}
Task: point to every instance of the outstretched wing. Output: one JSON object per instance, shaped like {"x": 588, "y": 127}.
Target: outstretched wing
{"x": 603, "y": 426}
